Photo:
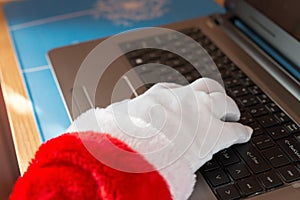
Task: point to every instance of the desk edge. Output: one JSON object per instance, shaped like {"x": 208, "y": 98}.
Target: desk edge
{"x": 23, "y": 126}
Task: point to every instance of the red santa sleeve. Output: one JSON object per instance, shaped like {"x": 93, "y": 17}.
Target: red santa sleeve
{"x": 64, "y": 168}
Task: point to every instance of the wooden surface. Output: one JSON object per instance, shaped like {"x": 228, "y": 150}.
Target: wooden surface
{"x": 20, "y": 113}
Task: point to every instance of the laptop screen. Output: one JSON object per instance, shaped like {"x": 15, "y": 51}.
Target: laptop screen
{"x": 277, "y": 23}
{"x": 284, "y": 13}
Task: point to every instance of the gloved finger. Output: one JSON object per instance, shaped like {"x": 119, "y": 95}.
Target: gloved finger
{"x": 232, "y": 133}
{"x": 207, "y": 85}
{"x": 224, "y": 107}
{"x": 219, "y": 136}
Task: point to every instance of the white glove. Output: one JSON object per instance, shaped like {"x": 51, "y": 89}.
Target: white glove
{"x": 196, "y": 120}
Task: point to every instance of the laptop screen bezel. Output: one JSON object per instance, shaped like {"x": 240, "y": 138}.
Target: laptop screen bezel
{"x": 279, "y": 39}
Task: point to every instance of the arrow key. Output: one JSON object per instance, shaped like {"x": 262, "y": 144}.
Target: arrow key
{"x": 249, "y": 186}
{"x": 289, "y": 173}
{"x": 270, "y": 180}
{"x": 238, "y": 171}
{"x": 228, "y": 192}
{"x": 210, "y": 165}
{"x": 276, "y": 157}
{"x": 217, "y": 177}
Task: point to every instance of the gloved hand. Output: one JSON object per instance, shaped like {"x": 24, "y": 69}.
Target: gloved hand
{"x": 189, "y": 122}
{"x": 169, "y": 131}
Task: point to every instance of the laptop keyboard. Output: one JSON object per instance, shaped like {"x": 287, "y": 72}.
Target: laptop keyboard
{"x": 270, "y": 160}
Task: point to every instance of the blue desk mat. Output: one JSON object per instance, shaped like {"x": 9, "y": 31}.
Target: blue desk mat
{"x": 37, "y": 26}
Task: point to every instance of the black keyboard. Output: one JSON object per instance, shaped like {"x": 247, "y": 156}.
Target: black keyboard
{"x": 271, "y": 159}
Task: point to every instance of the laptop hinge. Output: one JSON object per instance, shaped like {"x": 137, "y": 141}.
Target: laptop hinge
{"x": 261, "y": 57}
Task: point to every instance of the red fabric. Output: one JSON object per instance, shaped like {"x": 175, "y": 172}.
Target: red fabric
{"x": 64, "y": 169}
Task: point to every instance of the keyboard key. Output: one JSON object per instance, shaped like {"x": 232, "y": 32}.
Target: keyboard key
{"x": 246, "y": 118}
{"x": 184, "y": 69}
{"x": 168, "y": 56}
{"x": 227, "y": 157}
{"x": 224, "y": 60}
{"x": 204, "y": 41}
{"x": 257, "y": 129}
{"x": 138, "y": 61}
{"x": 238, "y": 91}
{"x": 130, "y": 45}
{"x": 168, "y": 77}
{"x": 249, "y": 186}
{"x": 225, "y": 74}
{"x": 297, "y": 136}
{"x": 155, "y": 55}
{"x": 270, "y": 180}
{"x": 217, "y": 54}
{"x": 210, "y": 165}
{"x": 289, "y": 173}
{"x": 144, "y": 69}
{"x": 246, "y": 82}
{"x": 238, "y": 171}
{"x": 258, "y": 111}
{"x": 268, "y": 121}
{"x": 217, "y": 177}
{"x": 282, "y": 117}
{"x": 252, "y": 158}
{"x": 278, "y": 132}
{"x": 240, "y": 74}
{"x": 255, "y": 90}
{"x": 292, "y": 127}
{"x": 276, "y": 157}
{"x": 190, "y": 77}
{"x": 232, "y": 67}
{"x": 263, "y": 98}
{"x": 174, "y": 62}
{"x": 292, "y": 147}
{"x": 248, "y": 100}
{"x": 272, "y": 107}
{"x": 169, "y": 37}
{"x": 135, "y": 54}
{"x": 263, "y": 142}
{"x": 231, "y": 83}
{"x": 211, "y": 48}
{"x": 228, "y": 192}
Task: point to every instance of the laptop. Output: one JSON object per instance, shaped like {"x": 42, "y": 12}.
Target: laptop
{"x": 255, "y": 46}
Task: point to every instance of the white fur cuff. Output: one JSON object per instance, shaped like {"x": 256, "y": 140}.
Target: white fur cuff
{"x": 177, "y": 173}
